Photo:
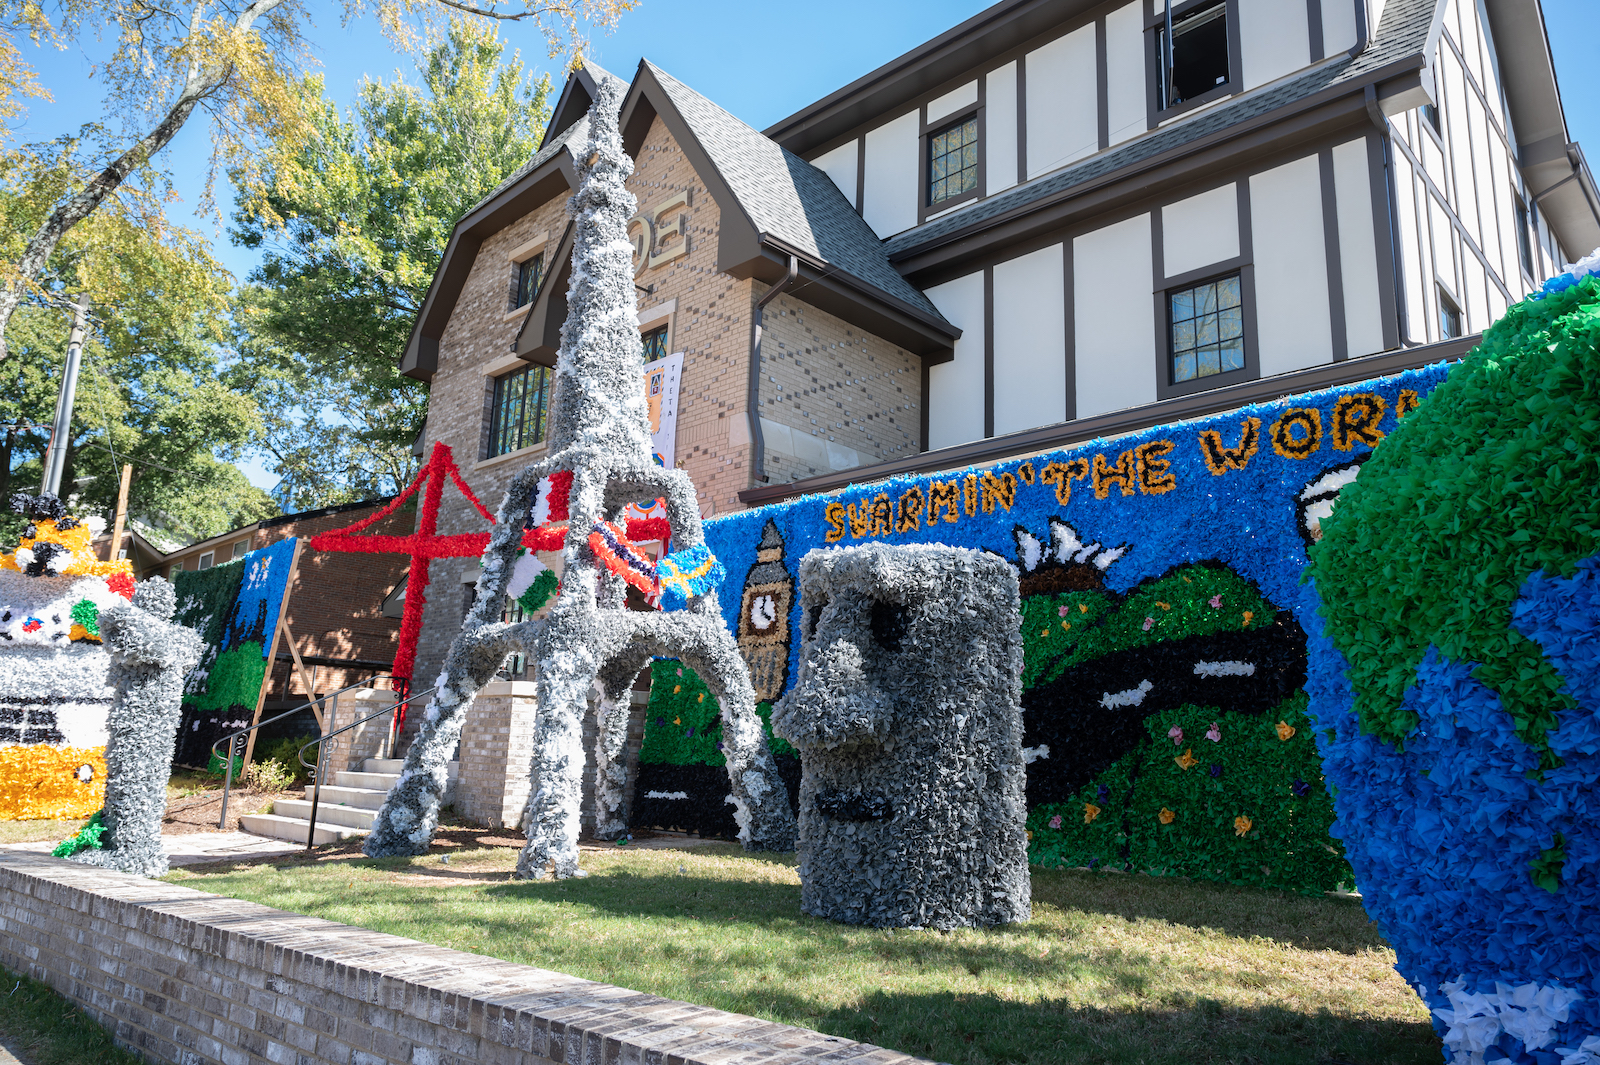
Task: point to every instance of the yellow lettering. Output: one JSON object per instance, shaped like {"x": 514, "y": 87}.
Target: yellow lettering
{"x": 1284, "y": 441}
{"x": 1121, "y": 474}
{"x": 1221, "y": 459}
{"x": 1154, "y": 476}
{"x": 1062, "y": 474}
{"x": 1356, "y": 418}
{"x": 835, "y": 517}
{"x": 1001, "y": 489}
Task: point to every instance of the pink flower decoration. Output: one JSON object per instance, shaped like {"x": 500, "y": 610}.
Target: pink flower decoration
{"x": 1216, "y": 602}
{"x": 1055, "y": 822}
{"x": 1061, "y": 611}
{"x": 1214, "y": 734}
{"x": 1148, "y": 623}
{"x": 1175, "y": 734}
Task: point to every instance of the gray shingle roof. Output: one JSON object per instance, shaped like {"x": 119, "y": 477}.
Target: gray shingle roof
{"x": 1402, "y": 32}
{"x": 578, "y": 130}
{"x": 787, "y": 197}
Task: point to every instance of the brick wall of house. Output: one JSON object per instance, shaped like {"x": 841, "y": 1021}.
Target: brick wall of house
{"x": 182, "y": 976}
{"x": 832, "y": 396}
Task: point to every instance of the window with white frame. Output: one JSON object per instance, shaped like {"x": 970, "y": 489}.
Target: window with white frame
{"x": 207, "y": 560}
{"x": 240, "y": 548}
{"x": 1207, "y": 330}
{"x": 1449, "y": 316}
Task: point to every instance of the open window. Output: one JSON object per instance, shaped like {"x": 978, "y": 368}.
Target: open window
{"x": 1200, "y": 64}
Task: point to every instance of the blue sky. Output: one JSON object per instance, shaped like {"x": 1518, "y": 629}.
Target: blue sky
{"x": 760, "y": 61}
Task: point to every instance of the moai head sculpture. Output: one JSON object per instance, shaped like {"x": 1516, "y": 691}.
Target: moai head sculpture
{"x": 906, "y": 714}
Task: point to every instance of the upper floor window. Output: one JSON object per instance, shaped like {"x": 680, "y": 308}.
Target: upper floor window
{"x": 1207, "y": 330}
{"x": 241, "y": 548}
{"x": 953, "y": 161}
{"x": 520, "y": 407}
{"x": 207, "y": 559}
{"x": 1430, "y": 118}
{"x": 525, "y": 280}
{"x": 655, "y": 343}
{"x": 1449, "y": 316}
{"x": 1524, "y": 244}
{"x": 1199, "y": 60}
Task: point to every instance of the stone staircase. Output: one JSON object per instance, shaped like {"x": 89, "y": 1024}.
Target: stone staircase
{"x": 346, "y": 808}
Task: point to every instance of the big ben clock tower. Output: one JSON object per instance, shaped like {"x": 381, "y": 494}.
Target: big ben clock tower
{"x": 764, "y": 617}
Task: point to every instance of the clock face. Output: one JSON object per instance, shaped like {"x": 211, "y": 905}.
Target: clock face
{"x": 763, "y": 612}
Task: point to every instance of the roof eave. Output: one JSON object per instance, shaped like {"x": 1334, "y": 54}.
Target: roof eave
{"x": 1306, "y": 118}
{"x": 556, "y": 176}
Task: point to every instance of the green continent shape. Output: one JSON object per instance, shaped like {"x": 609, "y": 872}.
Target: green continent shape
{"x": 1489, "y": 480}
{"x": 1287, "y": 846}
{"x": 1177, "y": 605}
{"x": 235, "y": 680}
{"x": 682, "y": 703}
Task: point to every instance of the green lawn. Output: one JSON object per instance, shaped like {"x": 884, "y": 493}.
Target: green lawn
{"x": 1112, "y": 968}
{"x": 42, "y": 1028}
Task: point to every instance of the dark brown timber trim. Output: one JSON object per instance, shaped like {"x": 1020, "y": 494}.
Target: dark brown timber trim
{"x": 1065, "y": 434}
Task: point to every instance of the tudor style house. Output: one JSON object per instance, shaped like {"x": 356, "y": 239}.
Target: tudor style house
{"x": 1061, "y": 219}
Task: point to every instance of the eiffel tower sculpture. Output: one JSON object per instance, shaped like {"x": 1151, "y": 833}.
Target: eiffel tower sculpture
{"x": 599, "y": 433}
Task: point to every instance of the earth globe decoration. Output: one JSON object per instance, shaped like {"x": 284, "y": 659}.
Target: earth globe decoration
{"x": 1454, "y": 679}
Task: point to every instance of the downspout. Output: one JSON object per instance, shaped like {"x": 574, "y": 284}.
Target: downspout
{"x": 758, "y": 444}
{"x": 1375, "y": 113}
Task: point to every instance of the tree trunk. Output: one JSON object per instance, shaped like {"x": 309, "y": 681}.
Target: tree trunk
{"x": 5, "y": 468}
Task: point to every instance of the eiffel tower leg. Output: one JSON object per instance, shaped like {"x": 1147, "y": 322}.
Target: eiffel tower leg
{"x": 554, "y": 805}
{"x": 760, "y": 800}
{"x": 410, "y": 813}
{"x": 615, "y": 714}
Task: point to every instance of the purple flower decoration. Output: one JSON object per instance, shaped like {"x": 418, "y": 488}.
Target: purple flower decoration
{"x": 1300, "y": 788}
{"x": 690, "y": 733}
{"x": 1094, "y": 863}
{"x": 661, "y": 721}
{"x": 1104, "y": 793}
{"x": 1215, "y": 770}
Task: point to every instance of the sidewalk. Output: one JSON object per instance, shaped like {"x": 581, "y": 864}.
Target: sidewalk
{"x": 194, "y": 848}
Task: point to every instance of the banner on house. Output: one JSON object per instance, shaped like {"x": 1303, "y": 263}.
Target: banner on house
{"x": 661, "y": 379}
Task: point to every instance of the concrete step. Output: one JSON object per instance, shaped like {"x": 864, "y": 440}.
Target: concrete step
{"x": 376, "y": 781}
{"x": 329, "y": 813}
{"x": 275, "y": 826}
{"x": 392, "y": 765}
{"x": 364, "y": 798}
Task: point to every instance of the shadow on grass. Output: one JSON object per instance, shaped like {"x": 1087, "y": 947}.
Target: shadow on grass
{"x": 980, "y": 1029}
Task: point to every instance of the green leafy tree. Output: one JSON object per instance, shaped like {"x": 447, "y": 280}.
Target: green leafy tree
{"x": 236, "y": 63}
{"x": 354, "y": 222}
{"x": 153, "y": 388}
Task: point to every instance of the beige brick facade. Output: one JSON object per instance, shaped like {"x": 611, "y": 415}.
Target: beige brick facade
{"x": 832, "y": 396}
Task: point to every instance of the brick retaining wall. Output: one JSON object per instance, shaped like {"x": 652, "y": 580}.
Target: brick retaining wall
{"x": 188, "y": 977}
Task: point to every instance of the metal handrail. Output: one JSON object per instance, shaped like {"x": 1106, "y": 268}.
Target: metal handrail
{"x": 227, "y": 784}
{"x": 316, "y": 790}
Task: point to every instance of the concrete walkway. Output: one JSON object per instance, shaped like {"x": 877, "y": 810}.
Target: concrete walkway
{"x": 196, "y": 848}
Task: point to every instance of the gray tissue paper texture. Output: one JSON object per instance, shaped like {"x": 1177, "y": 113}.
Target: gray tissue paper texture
{"x": 907, "y": 716}
{"x": 599, "y": 430}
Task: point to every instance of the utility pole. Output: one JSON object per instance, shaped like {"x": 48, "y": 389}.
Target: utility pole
{"x": 122, "y": 514}
{"x": 55, "y": 457}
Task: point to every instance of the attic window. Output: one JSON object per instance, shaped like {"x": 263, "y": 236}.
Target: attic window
{"x": 1199, "y": 53}
{"x": 953, "y": 161}
{"x": 525, "y": 280}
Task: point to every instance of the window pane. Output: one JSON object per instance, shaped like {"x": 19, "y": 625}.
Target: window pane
{"x": 953, "y": 161}
{"x": 1228, "y": 292}
{"x": 1207, "y": 330}
{"x": 1183, "y": 336}
{"x": 1199, "y": 52}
